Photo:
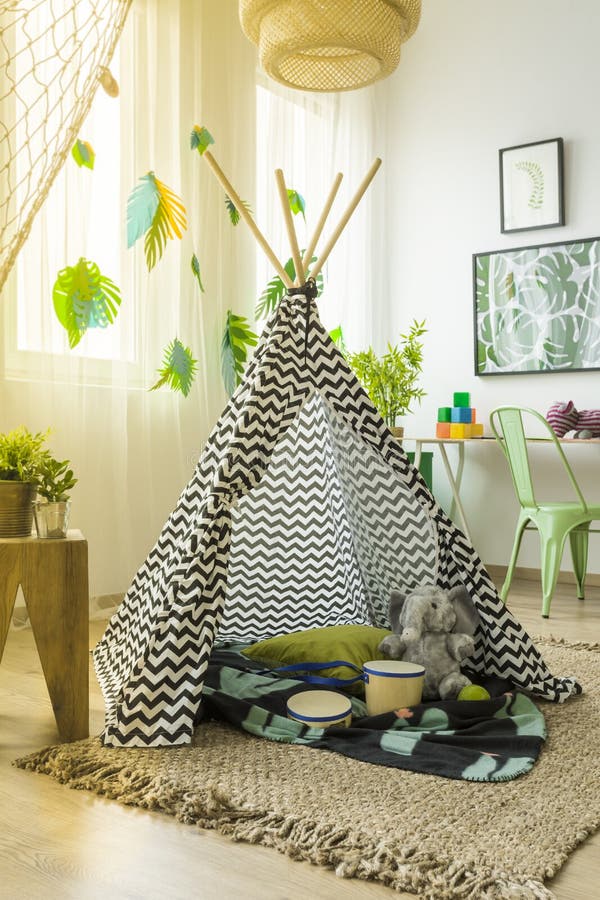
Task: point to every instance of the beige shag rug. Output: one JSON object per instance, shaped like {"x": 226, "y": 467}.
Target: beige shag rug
{"x": 417, "y": 833}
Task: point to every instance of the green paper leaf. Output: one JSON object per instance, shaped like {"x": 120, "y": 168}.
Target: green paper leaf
{"x": 297, "y": 204}
{"x": 141, "y": 208}
{"x": 169, "y": 222}
{"x": 237, "y": 338}
{"x": 200, "y": 139}
{"x": 275, "y": 289}
{"x": 178, "y": 368}
{"x": 83, "y": 154}
{"x": 233, "y": 211}
{"x": 196, "y": 270}
{"x": 84, "y": 298}
{"x": 337, "y": 336}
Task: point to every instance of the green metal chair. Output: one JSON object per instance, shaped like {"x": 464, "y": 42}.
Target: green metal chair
{"x": 554, "y": 521}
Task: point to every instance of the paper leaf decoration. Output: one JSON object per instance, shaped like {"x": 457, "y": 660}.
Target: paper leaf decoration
{"x": 196, "y": 271}
{"x": 275, "y": 289}
{"x": 337, "y": 336}
{"x": 233, "y": 211}
{"x": 297, "y": 204}
{"x": 200, "y": 139}
{"x": 83, "y": 154}
{"x": 141, "y": 208}
{"x": 154, "y": 210}
{"x": 178, "y": 368}
{"x": 237, "y": 338}
{"x": 84, "y": 298}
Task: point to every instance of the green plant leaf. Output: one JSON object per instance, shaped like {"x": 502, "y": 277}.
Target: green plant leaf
{"x": 141, "y": 208}
{"x": 275, "y": 289}
{"x": 84, "y": 298}
{"x": 54, "y": 478}
{"x": 200, "y": 139}
{"x": 391, "y": 380}
{"x": 21, "y": 453}
{"x": 178, "y": 368}
{"x": 196, "y": 270}
{"x": 233, "y": 211}
{"x": 169, "y": 222}
{"x": 297, "y": 204}
{"x": 83, "y": 154}
{"x": 237, "y": 338}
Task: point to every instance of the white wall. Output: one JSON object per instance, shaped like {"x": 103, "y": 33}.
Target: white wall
{"x": 475, "y": 77}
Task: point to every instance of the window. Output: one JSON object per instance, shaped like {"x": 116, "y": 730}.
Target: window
{"x": 83, "y": 215}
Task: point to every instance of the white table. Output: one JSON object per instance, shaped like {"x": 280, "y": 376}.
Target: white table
{"x": 455, "y": 476}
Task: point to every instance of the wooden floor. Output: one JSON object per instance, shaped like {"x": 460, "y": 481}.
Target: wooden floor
{"x": 73, "y": 845}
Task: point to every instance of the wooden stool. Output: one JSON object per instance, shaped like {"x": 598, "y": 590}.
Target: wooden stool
{"x": 54, "y": 578}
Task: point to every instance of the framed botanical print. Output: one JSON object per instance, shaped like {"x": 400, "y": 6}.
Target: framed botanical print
{"x": 531, "y": 186}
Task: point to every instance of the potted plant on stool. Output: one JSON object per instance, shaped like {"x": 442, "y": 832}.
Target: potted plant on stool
{"x": 391, "y": 380}
{"x": 54, "y": 481}
{"x": 20, "y": 455}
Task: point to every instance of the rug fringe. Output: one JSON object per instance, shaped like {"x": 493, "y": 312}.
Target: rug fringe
{"x": 594, "y": 646}
{"x": 402, "y": 868}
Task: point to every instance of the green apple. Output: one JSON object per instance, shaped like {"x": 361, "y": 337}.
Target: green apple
{"x": 473, "y": 692}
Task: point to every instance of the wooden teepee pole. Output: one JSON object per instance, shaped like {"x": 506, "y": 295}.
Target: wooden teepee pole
{"x": 289, "y": 224}
{"x": 310, "y": 249}
{"x": 245, "y": 215}
{"x": 345, "y": 218}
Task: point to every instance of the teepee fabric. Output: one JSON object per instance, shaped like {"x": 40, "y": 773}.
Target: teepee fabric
{"x": 303, "y": 511}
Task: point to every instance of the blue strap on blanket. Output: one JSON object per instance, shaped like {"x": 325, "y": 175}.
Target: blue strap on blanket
{"x": 297, "y": 668}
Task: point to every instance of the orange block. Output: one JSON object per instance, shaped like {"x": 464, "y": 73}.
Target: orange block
{"x": 442, "y": 430}
{"x": 460, "y": 430}
{"x": 473, "y": 415}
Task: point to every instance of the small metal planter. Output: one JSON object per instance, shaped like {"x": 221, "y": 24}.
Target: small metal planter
{"x": 16, "y": 509}
{"x": 52, "y": 519}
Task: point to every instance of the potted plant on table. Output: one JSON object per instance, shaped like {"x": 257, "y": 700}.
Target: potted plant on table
{"x": 55, "y": 480}
{"x": 391, "y": 380}
{"x": 20, "y": 455}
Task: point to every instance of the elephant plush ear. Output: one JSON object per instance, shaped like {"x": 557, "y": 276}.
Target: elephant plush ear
{"x": 467, "y": 617}
{"x": 395, "y": 610}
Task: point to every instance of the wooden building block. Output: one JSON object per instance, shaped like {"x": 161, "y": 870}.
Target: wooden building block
{"x": 461, "y": 399}
{"x": 460, "y": 430}
{"x": 442, "y": 429}
{"x": 461, "y": 414}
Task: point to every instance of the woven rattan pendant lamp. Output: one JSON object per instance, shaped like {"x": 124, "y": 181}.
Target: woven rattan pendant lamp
{"x": 329, "y": 45}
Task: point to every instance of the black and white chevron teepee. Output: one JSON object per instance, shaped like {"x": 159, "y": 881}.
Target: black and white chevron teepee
{"x": 303, "y": 511}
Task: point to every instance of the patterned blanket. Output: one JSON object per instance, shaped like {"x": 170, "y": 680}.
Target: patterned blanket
{"x": 482, "y": 740}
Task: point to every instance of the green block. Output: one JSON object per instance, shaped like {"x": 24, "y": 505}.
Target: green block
{"x": 462, "y": 399}
{"x": 444, "y": 413}
{"x": 426, "y": 467}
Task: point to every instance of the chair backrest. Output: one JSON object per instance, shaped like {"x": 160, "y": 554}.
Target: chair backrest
{"x": 507, "y": 424}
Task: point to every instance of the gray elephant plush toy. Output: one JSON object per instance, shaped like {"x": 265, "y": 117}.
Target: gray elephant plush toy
{"x": 434, "y": 628}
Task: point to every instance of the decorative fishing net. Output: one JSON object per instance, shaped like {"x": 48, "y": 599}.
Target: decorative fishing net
{"x": 53, "y": 56}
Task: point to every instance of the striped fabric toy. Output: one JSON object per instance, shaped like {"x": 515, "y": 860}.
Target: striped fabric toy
{"x": 563, "y": 417}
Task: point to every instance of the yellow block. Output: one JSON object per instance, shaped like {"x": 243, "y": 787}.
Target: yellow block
{"x": 460, "y": 430}
{"x": 477, "y": 430}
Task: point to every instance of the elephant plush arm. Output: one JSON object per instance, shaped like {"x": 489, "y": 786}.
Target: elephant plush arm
{"x": 460, "y": 646}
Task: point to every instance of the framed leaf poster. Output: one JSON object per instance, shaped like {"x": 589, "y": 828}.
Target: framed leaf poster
{"x": 537, "y": 309}
{"x": 531, "y": 186}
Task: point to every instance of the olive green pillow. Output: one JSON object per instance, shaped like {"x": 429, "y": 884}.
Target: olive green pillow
{"x": 352, "y": 643}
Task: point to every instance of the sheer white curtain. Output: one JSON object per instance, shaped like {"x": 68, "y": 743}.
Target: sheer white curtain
{"x": 180, "y": 64}
{"x": 312, "y": 137}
